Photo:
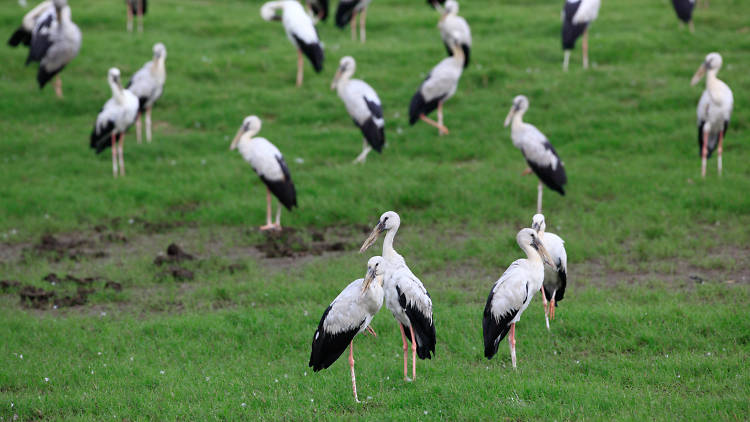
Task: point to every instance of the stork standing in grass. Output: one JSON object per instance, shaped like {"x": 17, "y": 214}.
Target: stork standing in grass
{"x": 136, "y": 8}
{"x": 577, "y": 15}
{"x": 714, "y": 110}
{"x": 512, "y": 293}
{"x": 148, "y": 85}
{"x": 363, "y": 105}
{"x": 300, "y": 31}
{"x": 684, "y": 10}
{"x": 348, "y": 315}
{"x": 555, "y": 277}
{"x": 453, "y": 26}
{"x": 54, "y": 40}
{"x": 439, "y": 85}
{"x": 405, "y": 296}
{"x": 539, "y": 153}
{"x": 346, "y": 13}
{"x": 268, "y": 162}
{"x": 117, "y": 115}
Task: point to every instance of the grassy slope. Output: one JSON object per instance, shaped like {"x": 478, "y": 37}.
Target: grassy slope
{"x": 625, "y": 130}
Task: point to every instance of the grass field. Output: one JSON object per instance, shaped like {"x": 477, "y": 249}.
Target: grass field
{"x": 654, "y": 323}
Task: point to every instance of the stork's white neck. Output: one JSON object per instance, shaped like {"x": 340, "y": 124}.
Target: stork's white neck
{"x": 713, "y": 84}
{"x": 532, "y": 255}
{"x": 517, "y": 120}
{"x": 343, "y": 81}
{"x": 117, "y": 93}
{"x": 388, "y": 251}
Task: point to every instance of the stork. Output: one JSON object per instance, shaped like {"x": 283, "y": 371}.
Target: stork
{"x": 555, "y": 277}
{"x": 363, "y": 105}
{"x": 117, "y": 115}
{"x": 300, "y": 31}
{"x": 577, "y": 15}
{"x": 405, "y": 296}
{"x": 714, "y": 110}
{"x": 348, "y": 315}
{"x": 539, "y": 153}
{"x": 270, "y": 166}
{"x": 346, "y": 13}
{"x": 136, "y": 8}
{"x": 22, "y": 35}
{"x": 439, "y": 85}
{"x": 55, "y": 41}
{"x": 684, "y": 10}
{"x": 512, "y": 293}
{"x": 452, "y": 25}
{"x": 148, "y": 85}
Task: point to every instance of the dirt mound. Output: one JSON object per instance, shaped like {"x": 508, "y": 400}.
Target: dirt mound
{"x": 6, "y": 285}
{"x": 178, "y": 273}
{"x": 291, "y": 242}
{"x": 71, "y": 247}
{"x": 174, "y": 254}
{"x": 35, "y": 297}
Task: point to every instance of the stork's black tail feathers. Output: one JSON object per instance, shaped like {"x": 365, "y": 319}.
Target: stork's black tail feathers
{"x": 313, "y": 51}
{"x": 494, "y": 330}
{"x": 102, "y": 139}
{"x": 423, "y": 326}
{"x": 21, "y": 36}
{"x": 684, "y": 9}
{"x": 344, "y": 12}
{"x": 327, "y": 347}
{"x": 43, "y": 76}
{"x": 713, "y": 139}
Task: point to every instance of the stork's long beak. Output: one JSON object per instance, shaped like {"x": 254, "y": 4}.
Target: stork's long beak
{"x": 698, "y": 74}
{"x": 544, "y": 254}
{"x": 236, "y": 138}
{"x": 373, "y": 236}
{"x": 368, "y": 279}
{"x": 510, "y": 115}
{"x": 336, "y": 79}
{"x": 535, "y": 227}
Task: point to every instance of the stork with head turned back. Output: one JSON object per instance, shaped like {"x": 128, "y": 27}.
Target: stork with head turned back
{"x": 453, "y": 26}
{"x": 512, "y": 293}
{"x": 136, "y": 8}
{"x": 346, "y": 13}
{"x": 300, "y": 31}
{"x": 348, "y": 315}
{"x": 539, "y": 153}
{"x": 270, "y": 166}
{"x": 555, "y": 277}
{"x": 439, "y": 85}
{"x": 714, "y": 110}
{"x": 405, "y": 296}
{"x": 148, "y": 85}
{"x": 577, "y": 15}
{"x": 117, "y": 115}
{"x": 363, "y": 105}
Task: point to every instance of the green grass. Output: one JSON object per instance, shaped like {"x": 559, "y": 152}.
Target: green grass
{"x": 632, "y": 339}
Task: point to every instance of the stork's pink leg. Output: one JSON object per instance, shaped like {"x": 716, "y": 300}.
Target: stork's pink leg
{"x": 362, "y": 17}
{"x": 440, "y": 116}
{"x": 140, "y": 15}
{"x": 546, "y": 311}
{"x": 300, "y": 70}
{"x": 586, "y": 48}
{"x": 444, "y": 130}
{"x": 413, "y": 354}
{"x": 130, "y": 18}
{"x": 406, "y": 347}
{"x": 148, "y": 125}
{"x": 720, "y": 149}
{"x": 268, "y": 225}
{"x": 58, "y": 87}
{"x": 114, "y": 156}
{"x": 371, "y": 331}
{"x": 351, "y": 366}
{"x": 353, "y": 22}
{"x": 138, "y": 128}
{"x": 512, "y": 342}
{"x": 704, "y": 154}
{"x": 122, "y": 156}
{"x": 540, "y": 190}
{"x": 552, "y": 306}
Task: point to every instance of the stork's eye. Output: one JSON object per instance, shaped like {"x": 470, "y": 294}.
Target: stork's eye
{"x": 385, "y": 219}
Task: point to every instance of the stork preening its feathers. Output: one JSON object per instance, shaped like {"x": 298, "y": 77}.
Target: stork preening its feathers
{"x": 405, "y": 296}
{"x": 269, "y": 164}
{"x": 512, "y": 293}
{"x": 346, "y": 13}
{"x": 555, "y": 277}
{"x": 439, "y": 85}
{"x": 363, "y": 105}
{"x": 54, "y": 40}
{"x": 348, "y": 315}
{"x": 117, "y": 115}
{"x": 136, "y": 8}
{"x": 577, "y": 15}
{"x": 453, "y": 26}
{"x": 148, "y": 85}
{"x": 714, "y": 110}
{"x": 539, "y": 153}
{"x": 300, "y": 31}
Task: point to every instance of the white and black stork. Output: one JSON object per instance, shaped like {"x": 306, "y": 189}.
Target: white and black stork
{"x": 577, "y": 15}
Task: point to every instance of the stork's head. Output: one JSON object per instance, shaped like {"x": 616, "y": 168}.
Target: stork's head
{"x": 538, "y": 224}
{"x": 451, "y": 7}
{"x": 375, "y": 271}
{"x": 160, "y": 51}
{"x": 520, "y": 105}
{"x": 272, "y": 10}
{"x": 113, "y": 76}
{"x": 711, "y": 64}
{"x": 388, "y": 221}
{"x": 347, "y": 65}
{"x": 531, "y": 243}
{"x": 250, "y": 125}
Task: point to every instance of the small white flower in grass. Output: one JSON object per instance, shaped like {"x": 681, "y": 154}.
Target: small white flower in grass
{"x": 131, "y": 358}
{"x": 92, "y": 372}
{"x": 708, "y": 354}
{"x": 678, "y": 376}
{"x": 99, "y": 353}
{"x": 105, "y": 365}
{"x": 103, "y": 313}
{"x": 131, "y": 221}
{"x": 13, "y": 231}
{"x": 286, "y": 375}
{"x": 46, "y": 216}
{"x": 312, "y": 400}
{"x": 369, "y": 397}
{"x": 299, "y": 160}
{"x": 11, "y": 405}
{"x": 161, "y": 372}
{"x": 399, "y": 130}
{"x": 276, "y": 380}
{"x": 46, "y": 379}
{"x": 54, "y": 306}
{"x": 554, "y": 352}
{"x": 578, "y": 362}
{"x": 305, "y": 373}
{"x": 667, "y": 355}
{"x": 203, "y": 162}
{"x": 387, "y": 378}
{"x": 173, "y": 162}
{"x": 243, "y": 404}
{"x": 20, "y": 356}
{"x": 306, "y": 313}
{"x": 425, "y": 412}
{"x": 208, "y": 378}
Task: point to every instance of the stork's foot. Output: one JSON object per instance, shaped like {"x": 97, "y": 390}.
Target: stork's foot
{"x": 371, "y": 331}
{"x": 526, "y": 172}
{"x": 270, "y": 226}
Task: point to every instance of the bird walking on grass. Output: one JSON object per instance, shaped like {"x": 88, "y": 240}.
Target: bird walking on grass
{"x": 270, "y": 166}
{"x": 555, "y": 277}
{"x": 577, "y": 15}
{"x": 348, "y": 315}
{"x": 300, "y": 31}
{"x": 512, "y": 293}
{"x": 405, "y": 296}
{"x": 148, "y": 85}
{"x": 714, "y": 110}
{"x": 539, "y": 153}
{"x": 363, "y": 105}
{"x": 117, "y": 115}
{"x": 346, "y": 13}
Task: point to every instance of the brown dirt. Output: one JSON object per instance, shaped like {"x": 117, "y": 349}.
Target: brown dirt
{"x": 174, "y": 254}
